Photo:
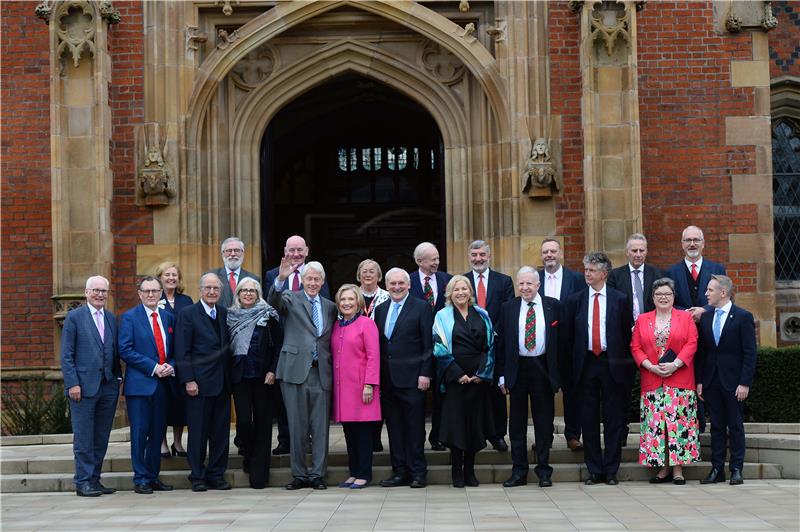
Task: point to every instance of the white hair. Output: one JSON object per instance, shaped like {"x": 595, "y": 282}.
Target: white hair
{"x": 316, "y": 266}
{"x": 228, "y": 241}
{"x": 420, "y": 250}
{"x": 400, "y": 271}
{"x": 94, "y": 278}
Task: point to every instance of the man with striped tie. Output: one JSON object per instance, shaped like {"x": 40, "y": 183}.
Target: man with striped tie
{"x": 527, "y": 369}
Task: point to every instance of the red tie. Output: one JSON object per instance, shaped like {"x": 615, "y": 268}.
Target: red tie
{"x": 597, "y": 346}
{"x": 481, "y": 292}
{"x": 232, "y": 281}
{"x": 296, "y": 282}
{"x": 162, "y": 353}
{"x": 428, "y": 293}
{"x": 694, "y": 271}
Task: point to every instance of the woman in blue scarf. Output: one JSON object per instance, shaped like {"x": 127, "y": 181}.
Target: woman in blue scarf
{"x": 464, "y": 350}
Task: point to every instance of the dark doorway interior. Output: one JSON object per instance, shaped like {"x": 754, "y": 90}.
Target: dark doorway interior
{"x": 356, "y": 168}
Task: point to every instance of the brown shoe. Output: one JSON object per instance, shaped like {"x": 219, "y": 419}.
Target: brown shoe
{"x": 575, "y": 444}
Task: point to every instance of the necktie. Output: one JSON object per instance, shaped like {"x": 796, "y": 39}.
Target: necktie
{"x": 392, "y": 320}
{"x": 597, "y": 346}
{"x": 101, "y": 328}
{"x": 428, "y": 292}
{"x": 718, "y": 325}
{"x": 296, "y": 281}
{"x": 694, "y": 271}
{"x": 162, "y": 353}
{"x": 551, "y": 286}
{"x": 317, "y": 323}
{"x": 213, "y": 313}
{"x": 637, "y": 291}
{"x": 481, "y": 291}
{"x": 232, "y": 281}
{"x": 530, "y": 327}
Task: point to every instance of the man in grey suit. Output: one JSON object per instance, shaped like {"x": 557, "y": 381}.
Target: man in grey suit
{"x": 231, "y": 273}
{"x": 304, "y": 368}
{"x": 92, "y": 375}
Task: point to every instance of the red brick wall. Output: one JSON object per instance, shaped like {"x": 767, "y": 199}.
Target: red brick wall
{"x": 784, "y": 41}
{"x": 27, "y": 281}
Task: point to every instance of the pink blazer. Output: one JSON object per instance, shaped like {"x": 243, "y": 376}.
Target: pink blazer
{"x": 682, "y": 340}
{"x": 356, "y": 362}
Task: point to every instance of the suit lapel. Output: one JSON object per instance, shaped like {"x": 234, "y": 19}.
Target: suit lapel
{"x": 681, "y": 283}
{"x": 702, "y": 280}
{"x": 93, "y": 326}
{"x": 144, "y": 323}
{"x": 728, "y": 324}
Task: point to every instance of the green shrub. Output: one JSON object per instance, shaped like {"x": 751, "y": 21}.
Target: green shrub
{"x": 775, "y": 392}
{"x": 34, "y": 411}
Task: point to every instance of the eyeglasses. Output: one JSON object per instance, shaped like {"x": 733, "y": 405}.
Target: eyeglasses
{"x": 151, "y": 291}
{"x": 665, "y": 295}
{"x": 232, "y": 251}
{"x": 210, "y": 288}
{"x": 248, "y": 291}
{"x": 692, "y": 240}
{"x": 99, "y": 291}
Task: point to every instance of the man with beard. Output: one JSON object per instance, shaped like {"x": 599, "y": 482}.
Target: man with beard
{"x": 232, "y": 272}
{"x": 692, "y": 274}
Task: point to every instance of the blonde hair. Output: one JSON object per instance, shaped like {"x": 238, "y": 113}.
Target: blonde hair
{"x": 166, "y": 265}
{"x": 448, "y": 291}
{"x": 353, "y": 288}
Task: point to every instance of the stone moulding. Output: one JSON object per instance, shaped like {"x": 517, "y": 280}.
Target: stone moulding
{"x": 75, "y": 29}
{"x": 610, "y": 34}
{"x": 194, "y": 38}
{"x": 63, "y": 303}
{"x": 441, "y": 63}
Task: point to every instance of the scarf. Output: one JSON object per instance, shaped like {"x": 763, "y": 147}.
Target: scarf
{"x": 243, "y": 321}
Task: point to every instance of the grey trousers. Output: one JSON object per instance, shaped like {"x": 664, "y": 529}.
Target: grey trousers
{"x": 308, "y": 412}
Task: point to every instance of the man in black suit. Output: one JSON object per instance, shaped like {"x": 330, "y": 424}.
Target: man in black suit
{"x": 724, "y": 372}
{"x": 231, "y": 273}
{"x": 527, "y": 369}
{"x": 559, "y": 282}
{"x": 406, "y": 343}
{"x": 492, "y": 289}
{"x": 692, "y": 274}
{"x": 597, "y": 322}
{"x": 202, "y": 358}
{"x": 428, "y": 284}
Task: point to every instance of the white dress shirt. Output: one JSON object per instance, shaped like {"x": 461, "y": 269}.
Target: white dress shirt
{"x": 557, "y": 279}
{"x": 689, "y": 263}
{"x": 160, "y": 326}
{"x": 540, "y": 328}
{"x": 603, "y": 301}
{"x": 640, "y": 269}
{"x": 205, "y": 306}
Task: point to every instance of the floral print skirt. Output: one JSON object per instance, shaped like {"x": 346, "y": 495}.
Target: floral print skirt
{"x": 669, "y": 425}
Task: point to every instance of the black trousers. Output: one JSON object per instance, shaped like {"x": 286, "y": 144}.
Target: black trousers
{"x": 436, "y": 415}
{"x": 597, "y": 388}
{"x": 279, "y": 413}
{"x": 404, "y": 412}
{"x": 209, "y": 421}
{"x": 499, "y": 412}
{"x": 727, "y": 424}
{"x": 571, "y": 400}
{"x": 358, "y": 436}
{"x": 253, "y": 401}
{"x": 532, "y": 386}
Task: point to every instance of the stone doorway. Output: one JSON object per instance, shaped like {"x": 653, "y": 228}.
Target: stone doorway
{"x": 358, "y": 169}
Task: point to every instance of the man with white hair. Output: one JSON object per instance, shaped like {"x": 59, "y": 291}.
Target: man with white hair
{"x": 231, "y": 273}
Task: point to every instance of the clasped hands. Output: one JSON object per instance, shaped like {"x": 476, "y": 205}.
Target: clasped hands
{"x": 665, "y": 369}
{"x": 164, "y": 370}
{"x": 470, "y": 380}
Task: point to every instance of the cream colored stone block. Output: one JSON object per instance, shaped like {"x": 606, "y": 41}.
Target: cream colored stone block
{"x": 748, "y": 189}
{"x": 761, "y": 305}
{"x": 612, "y": 172}
{"x": 613, "y": 235}
{"x": 768, "y": 336}
{"x": 612, "y": 203}
{"x": 79, "y": 121}
{"x": 747, "y": 130}
{"x": 538, "y": 216}
{"x": 613, "y": 140}
{"x": 750, "y": 73}
{"x": 762, "y": 104}
{"x": 750, "y": 247}
{"x": 77, "y": 92}
{"x": 609, "y": 79}
{"x": 150, "y": 256}
{"x": 765, "y": 276}
{"x": 760, "y": 46}
{"x": 83, "y": 246}
{"x": 610, "y": 108}
{"x": 78, "y": 152}
{"x": 765, "y": 218}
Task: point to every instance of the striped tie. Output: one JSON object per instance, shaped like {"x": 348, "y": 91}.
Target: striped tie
{"x": 428, "y": 292}
{"x": 530, "y": 328}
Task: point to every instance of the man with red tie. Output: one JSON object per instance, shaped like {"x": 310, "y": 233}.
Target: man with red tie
{"x": 692, "y": 274}
{"x": 146, "y": 346}
{"x": 231, "y": 273}
{"x": 598, "y": 323}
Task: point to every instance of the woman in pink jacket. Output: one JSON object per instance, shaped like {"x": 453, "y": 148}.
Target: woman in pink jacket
{"x": 356, "y": 375}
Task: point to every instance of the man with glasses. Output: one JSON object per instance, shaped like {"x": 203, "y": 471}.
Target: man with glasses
{"x": 92, "y": 374}
{"x": 692, "y": 274}
{"x": 232, "y": 272}
{"x": 202, "y": 357}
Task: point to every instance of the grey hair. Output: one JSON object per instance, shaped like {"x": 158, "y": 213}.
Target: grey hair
{"x": 451, "y": 284}
{"x": 94, "y": 278}
{"x": 725, "y": 283}
{"x": 422, "y": 248}
{"x": 528, "y": 269}
{"x": 241, "y": 286}
{"x": 693, "y": 227}
{"x": 364, "y": 263}
{"x": 229, "y": 240}
{"x": 400, "y": 271}
{"x": 480, "y": 244}
{"x": 148, "y": 278}
{"x": 548, "y": 239}
{"x": 635, "y": 236}
{"x": 598, "y": 258}
{"x": 314, "y": 265}
{"x": 209, "y": 274}
{"x": 664, "y": 281}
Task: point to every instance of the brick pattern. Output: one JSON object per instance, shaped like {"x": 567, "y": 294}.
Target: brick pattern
{"x": 784, "y": 41}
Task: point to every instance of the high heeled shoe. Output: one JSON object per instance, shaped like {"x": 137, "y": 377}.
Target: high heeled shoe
{"x": 176, "y": 452}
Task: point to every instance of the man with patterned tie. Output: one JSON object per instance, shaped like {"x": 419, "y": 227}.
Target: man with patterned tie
{"x": 527, "y": 369}
{"x": 91, "y": 370}
{"x": 597, "y": 324}
{"x": 692, "y": 274}
{"x": 231, "y": 273}
{"x": 492, "y": 289}
{"x": 146, "y": 346}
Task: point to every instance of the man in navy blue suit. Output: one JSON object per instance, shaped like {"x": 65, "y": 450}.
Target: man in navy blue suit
{"x": 231, "y": 273}
{"x": 692, "y": 274}
{"x": 92, "y": 374}
{"x": 146, "y": 346}
{"x": 297, "y": 250}
{"x": 724, "y": 372}
{"x": 559, "y": 282}
{"x": 492, "y": 289}
{"x": 598, "y": 325}
{"x": 428, "y": 284}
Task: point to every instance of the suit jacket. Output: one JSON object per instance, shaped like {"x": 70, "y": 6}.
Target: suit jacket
{"x": 300, "y": 338}
{"x": 200, "y": 354}
{"x": 181, "y": 302}
{"x": 499, "y": 290}
{"x": 271, "y": 275}
{"x": 226, "y": 299}
{"x": 408, "y": 354}
{"x": 734, "y": 359}
{"x": 682, "y": 340}
{"x": 507, "y": 358}
{"x": 683, "y": 298}
{"x": 619, "y": 321}
{"x": 85, "y": 358}
{"x": 620, "y": 279}
{"x": 269, "y": 343}
{"x": 571, "y": 283}
{"x": 442, "y": 278}
{"x": 137, "y": 347}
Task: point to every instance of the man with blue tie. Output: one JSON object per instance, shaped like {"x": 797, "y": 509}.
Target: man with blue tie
{"x": 91, "y": 370}
{"x": 724, "y": 370}
{"x": 146, "y": 346}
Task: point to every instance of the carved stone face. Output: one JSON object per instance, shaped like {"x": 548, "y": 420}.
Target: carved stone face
{"x": 539, "y": 148}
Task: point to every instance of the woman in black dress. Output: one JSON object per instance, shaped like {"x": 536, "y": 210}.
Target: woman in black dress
{"x": 464, "y": 350}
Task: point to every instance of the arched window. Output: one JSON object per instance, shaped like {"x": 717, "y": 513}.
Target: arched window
{"x": 786, "y": 197}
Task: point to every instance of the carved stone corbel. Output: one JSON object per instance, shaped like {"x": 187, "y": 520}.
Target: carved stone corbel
{"x": 227, "y": 9}
{"x": 540, "y": 178}
{"x": 155, "y": 186}
{"x": 468, "y": 32}
{"x": 225, "y": 38}
{"x": 194, "y": 38}
{"x": 44, "y": 11}
{"x": 749, "y": 15}
{"x": 108, "y": 12}
{"x": 498, "y": 31}
{"x": 63, "y": 303}
{"x": 463, "y": 6}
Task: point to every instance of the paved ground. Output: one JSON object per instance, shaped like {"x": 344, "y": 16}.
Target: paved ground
{"x": 757, "y": 505}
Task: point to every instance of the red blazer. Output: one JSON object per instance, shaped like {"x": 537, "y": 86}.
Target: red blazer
{"x": 682, "y": 340}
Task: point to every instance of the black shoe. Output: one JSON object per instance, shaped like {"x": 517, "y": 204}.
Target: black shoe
{"x": 318, "y": 484}
{"x": 736, "y": 477}
{"x": 437, "y": 446}
{"x": 296, "y": 484}
{"x": 515, "y": 481}
{"x": 280, "y": 449}
{"x": 594, "y": 479}
{"x": 471, "y": 480}
{"x": 457, "y": 476}
{"x": 143, "y": 489}
{"x": 104, "y": 490}
{"x": 661, "y": 480}
{"x": 714, "y": 476}
{"x": 545, "y": 482}
{"x": 220, "y": 485}
{"x": 394, "y": 481}
{"x": 157, "y": 485}
{"x": 86, "y": 490}
{"x": 612, "y": 480}
{"x": 500, "y": 445}
{"x": 679, "y": 481}
{"x": 199, "y": 486}
{"x": 418, "y": 483}
{"x": 176, "y": 452}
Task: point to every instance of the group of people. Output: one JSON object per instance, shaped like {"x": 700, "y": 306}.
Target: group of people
{"x": 371, "y": 355}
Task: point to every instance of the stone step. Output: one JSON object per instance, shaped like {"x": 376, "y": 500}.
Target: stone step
{"x": 437, "y": 474}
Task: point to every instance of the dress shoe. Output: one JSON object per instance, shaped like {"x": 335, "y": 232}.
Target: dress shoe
{"x": 104, "y": 490}
{"x": 736, "y": 477}
{"x": 355, "y": 486}
{"x": 344, "y": 484}
{"x": 574, "y": 444}
{"x": 661, "y": 480}
{"x": 86, "y": 490}
{"x": 199, "y": 486}
{"x": 457, "y": 476}
{"x": 318, "y": 484}
{"x": 545, "y": 482}
{"x": 220, "y": 485}
{"x": 437, "y": 446}
{"x": 679, "y": 481}
{"x": 418, "y": 483}
{"x": 280, "y": 449}
{"x": 394, "y": 481}
{"x": 176, "y": 452}
{"x": 470, "y": 479}
{"x": 143, "y": 489}
{"x": 296, "y": 484}
{"x": 714, "y": 476}
{"x": 515, "y": 481}
{"x": 500, "y": 445}
{"x": 594, "y": 479}
{"x": 612, "y": 480}
{"x": 157, "y": 485}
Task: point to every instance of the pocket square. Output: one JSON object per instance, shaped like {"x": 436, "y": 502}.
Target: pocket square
{"x": 169, "y": 330}
{"x": 554, "y": 323}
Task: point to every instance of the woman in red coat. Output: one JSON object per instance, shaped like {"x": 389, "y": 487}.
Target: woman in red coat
{"x": 356, "y": 374}
{"x": 663, "y": 345}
